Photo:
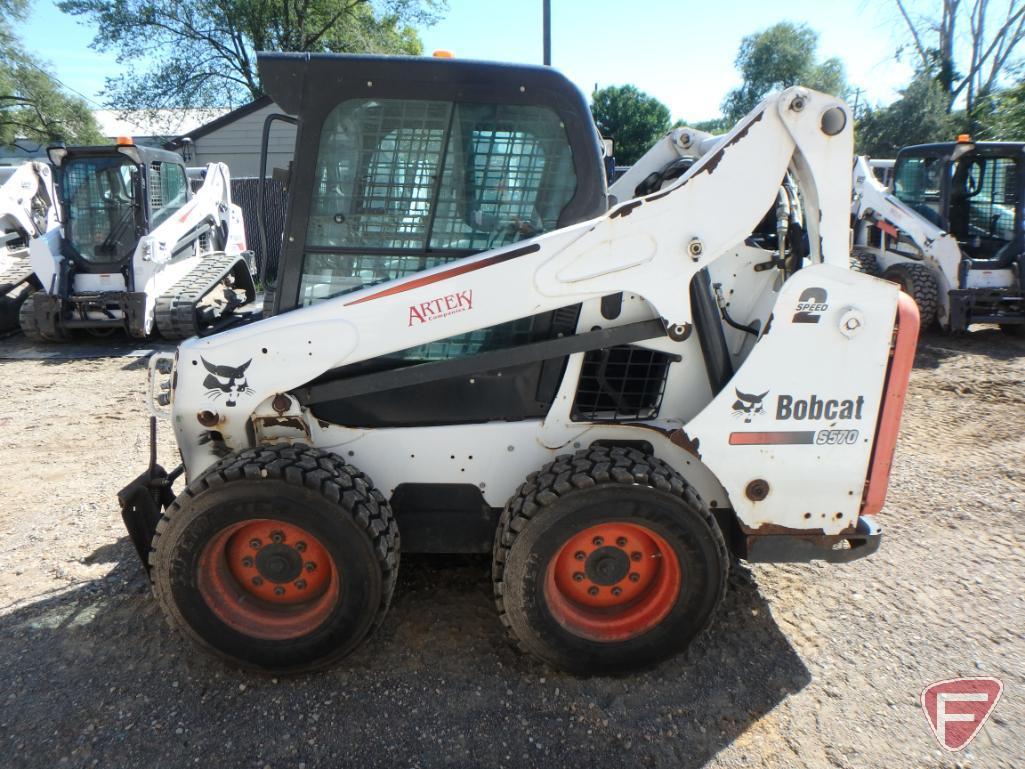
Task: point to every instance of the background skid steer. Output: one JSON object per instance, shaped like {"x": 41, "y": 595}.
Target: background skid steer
{"x": 950, "y": 232}
{"x": 475, "y": 352}
{"x": 28, "y": 209}
{"x": 139, "y": 250}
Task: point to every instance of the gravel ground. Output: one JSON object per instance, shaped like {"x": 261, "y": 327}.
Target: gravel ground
{"x": 805, "y": 665}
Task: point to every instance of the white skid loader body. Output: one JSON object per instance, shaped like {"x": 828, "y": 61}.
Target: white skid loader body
{"x": 910, "y": 236}
{"x": 28, "y": 209}
{"x": 786, "y": 445}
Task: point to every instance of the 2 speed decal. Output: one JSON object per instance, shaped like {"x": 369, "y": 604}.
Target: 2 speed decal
{"x": 810, "y": 305}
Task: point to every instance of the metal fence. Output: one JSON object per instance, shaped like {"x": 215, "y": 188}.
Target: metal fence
{"x": 245, "y": 193}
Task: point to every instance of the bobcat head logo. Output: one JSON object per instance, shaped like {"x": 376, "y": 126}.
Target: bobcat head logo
{"x": 229, "y": 380}
{"x": 748, "y": 405}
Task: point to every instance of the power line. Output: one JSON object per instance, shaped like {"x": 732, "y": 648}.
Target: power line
{"x": 64, "y": 85}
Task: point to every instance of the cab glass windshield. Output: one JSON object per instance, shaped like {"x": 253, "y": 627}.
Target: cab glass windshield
{"x": 99, "y": 195}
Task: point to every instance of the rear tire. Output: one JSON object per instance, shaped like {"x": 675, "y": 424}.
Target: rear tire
{"x": 282, "y": 559}
{"x": 865, "y": 261}
{"x": 606, "y": 561}
{"x": 918, "y": 282}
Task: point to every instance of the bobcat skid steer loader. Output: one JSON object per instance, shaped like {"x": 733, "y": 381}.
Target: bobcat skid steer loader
{"x": 950, "y": 233}
{"x": 28, "y": 209}
{"x": 474, "y": 352}
{"x": 139, "y": 250}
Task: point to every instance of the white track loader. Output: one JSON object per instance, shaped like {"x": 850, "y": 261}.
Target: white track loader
{"x": 473, "y": 351}
{"x": 28, "y": 210}
{"x": 138, "y": 251}
{"x": 950, "y": 232}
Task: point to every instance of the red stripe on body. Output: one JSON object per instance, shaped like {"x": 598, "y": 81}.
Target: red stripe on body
{"x": 773, "y": 438}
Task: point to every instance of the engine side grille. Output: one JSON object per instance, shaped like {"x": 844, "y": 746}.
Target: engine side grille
{"x": 621, "y": 384}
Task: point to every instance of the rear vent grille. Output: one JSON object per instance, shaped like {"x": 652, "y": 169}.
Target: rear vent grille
{"x": 620, "y": 384}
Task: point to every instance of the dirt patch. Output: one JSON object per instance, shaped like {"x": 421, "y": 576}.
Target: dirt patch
{"x": 805, "y": 665}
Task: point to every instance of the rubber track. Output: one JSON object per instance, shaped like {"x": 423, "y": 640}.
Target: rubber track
{"x": 175, "y": 314}
{"x": 14, "y": 276}
{"x": 328, "y": 475}
{"x": 595, "y": 466}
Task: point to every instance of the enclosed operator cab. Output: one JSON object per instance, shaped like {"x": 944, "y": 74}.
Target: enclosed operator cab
{"x": 460, "y": 157}
{"x": 974, "y": 191}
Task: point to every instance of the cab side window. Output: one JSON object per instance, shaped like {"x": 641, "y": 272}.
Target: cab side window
{"x": 168, "y": 191}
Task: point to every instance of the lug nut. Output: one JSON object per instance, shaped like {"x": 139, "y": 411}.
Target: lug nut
{"x": 311, "y": 566}
{"x": 247, "y": 561}
{"x": 301, "y": 584}
{"x": 255, "y": 544}
{"x": 634, "y": 576}
{"x": 300, "y": 546}
{"x": 635, "y": 556}
{"x": 580, "y": 555}
{"x": 277, "y": 537}
{"x": 257, "y": 581}
{"x": 592, "y": 591}
{"x": 621, "y": 541}
{"x": 617, "y": 591}
{"x": 279, "y": 590}
{"x": 578, "y": 576}
{"x": 598, "y": 541}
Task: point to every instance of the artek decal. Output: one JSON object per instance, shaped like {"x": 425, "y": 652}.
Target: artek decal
{"x": 810, "y": 305}
{"x": 226, "y": 380}
{"x": 441, "y": 307}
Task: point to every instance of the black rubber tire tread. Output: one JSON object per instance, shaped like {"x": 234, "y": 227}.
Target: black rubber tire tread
{"x": 918, "y": 281}
{"x": 326, "y": 474}
{"x": 865, "y": 261}
{"x": 175, "y": 313}
{"x": 586, "y": 469}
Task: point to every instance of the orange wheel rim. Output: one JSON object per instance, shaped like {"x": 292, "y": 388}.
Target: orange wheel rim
{"x": 268, "y": 579}
{"x": 612, "y": 581}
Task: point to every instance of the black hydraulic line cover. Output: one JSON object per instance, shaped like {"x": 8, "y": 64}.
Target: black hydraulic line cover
{"x": 328, "y": 389}
{"x": 708, "y": 323}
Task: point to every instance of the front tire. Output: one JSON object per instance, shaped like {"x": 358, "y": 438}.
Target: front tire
{"x": 607, "y": 562}
{"x": 282, "y": 559}
{"x": 917, "y": 281}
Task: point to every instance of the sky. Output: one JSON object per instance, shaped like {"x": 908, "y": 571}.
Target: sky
{"x": 678, "y": 51}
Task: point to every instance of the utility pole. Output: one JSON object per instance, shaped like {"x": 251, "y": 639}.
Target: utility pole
{"x": 546, "y": 25}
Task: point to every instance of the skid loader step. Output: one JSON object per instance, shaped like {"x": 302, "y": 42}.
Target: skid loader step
{"x": 177, "y": 314}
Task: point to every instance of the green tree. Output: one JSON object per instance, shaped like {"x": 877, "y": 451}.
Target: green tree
{"x": 919, "y": 116}
{"x": 776, "y": 58}
{"x": 1001, "y": 115}
{"x": 32, "y": 104}
{"x": 202, "y": 53}
{"x": 631, "y": 118}
{"x": 965, "y": 45}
